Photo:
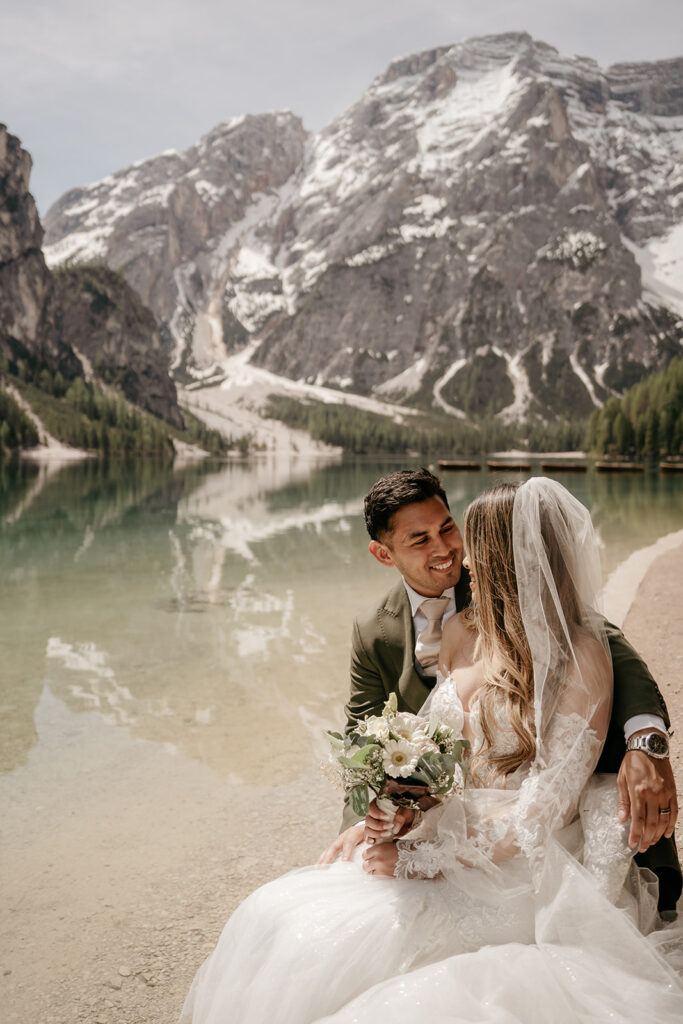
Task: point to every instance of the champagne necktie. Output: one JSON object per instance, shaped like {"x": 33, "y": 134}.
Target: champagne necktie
{"x": 429, "y": 639}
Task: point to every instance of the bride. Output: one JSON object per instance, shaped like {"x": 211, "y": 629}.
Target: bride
{"x": 516, "y": 900}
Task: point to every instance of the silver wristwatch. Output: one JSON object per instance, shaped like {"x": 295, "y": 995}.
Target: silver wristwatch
{"x": 653, "y": 743}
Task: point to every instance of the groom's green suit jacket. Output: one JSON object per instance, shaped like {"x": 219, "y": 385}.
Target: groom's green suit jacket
{"x": 382, "y": 662}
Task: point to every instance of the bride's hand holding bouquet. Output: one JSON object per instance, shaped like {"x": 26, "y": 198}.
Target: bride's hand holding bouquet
{"x": 407, "y": 763}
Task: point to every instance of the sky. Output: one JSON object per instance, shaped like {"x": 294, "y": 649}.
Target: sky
{"x": 90, "y": 87}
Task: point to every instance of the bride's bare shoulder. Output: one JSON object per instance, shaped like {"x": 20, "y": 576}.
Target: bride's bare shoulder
{"x": 459, "y": 635}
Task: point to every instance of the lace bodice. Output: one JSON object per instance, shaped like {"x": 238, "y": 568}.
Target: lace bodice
{"x": 447, "y": 706}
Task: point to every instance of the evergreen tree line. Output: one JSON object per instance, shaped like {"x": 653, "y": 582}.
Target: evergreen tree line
{"x": 646, "y": 422}
{"x": 81, "y": 414}
{"x": 16, "y": 429}
{"x": 109, "y": 424}
{"x": 197, "y": 432}
{"x": 360, "y": 432}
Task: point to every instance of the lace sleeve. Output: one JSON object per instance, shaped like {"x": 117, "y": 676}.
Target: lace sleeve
{"x": 483, "y": 827}
{"x": 549, "y": 796}
{"x": 421, "y": 854}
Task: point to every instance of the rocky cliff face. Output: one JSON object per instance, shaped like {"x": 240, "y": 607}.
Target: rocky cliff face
{"x": 26, "y": 328}
{"x": 99, "y": 315}
{"x": 491, "y": 228}
{"x": 80, "y": 320}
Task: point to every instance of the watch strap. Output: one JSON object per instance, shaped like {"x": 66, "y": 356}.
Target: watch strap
{"x": 643, "y": 743}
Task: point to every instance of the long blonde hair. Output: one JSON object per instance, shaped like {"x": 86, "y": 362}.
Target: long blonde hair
{"x": 502, "y": 641}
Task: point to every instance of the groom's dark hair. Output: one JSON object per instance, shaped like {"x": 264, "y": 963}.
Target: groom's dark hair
{"x": 392, "y": 492}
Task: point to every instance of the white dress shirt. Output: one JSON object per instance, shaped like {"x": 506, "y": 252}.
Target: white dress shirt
{"x": 639, "y": 722}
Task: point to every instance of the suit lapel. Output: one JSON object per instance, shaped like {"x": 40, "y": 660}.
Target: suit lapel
{"x": 396, "y": 624}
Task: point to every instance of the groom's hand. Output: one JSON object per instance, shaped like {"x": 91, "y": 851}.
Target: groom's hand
{"x": 646, "y": 786}
{"x": 344, "y": 844}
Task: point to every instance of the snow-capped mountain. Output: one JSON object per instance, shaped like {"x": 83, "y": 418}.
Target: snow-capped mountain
{"x": 491, "y": 227}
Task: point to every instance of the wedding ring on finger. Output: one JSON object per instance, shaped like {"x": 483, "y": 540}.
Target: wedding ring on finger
{"x": 665, "y": 810}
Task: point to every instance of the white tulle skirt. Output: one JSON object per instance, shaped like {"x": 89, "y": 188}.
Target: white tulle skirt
{"x": 334, "y": 944}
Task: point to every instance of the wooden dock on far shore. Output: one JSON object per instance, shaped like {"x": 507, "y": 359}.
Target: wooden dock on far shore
{"x": 512, "y": 464}
{"x": 619, "y": 466}
{"x": 558, "y": 466}
{"x": 458, "y": 464}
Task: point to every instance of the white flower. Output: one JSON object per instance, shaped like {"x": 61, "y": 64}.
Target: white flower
{"x": 455, "y": 721}
{"x": 378, "y": 726}
{"x": 425, "y": 745}
{"x": 409, "y": 727}
{"x": 399, "y": 758}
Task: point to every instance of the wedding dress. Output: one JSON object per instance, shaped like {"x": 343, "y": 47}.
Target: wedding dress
{"x": 515, "y": 901}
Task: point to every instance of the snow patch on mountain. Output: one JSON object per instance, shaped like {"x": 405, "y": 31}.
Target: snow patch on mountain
{"x": 519, "y": 407}
{"x": 207, "y": 338}
{"x": 439, "y": 385}
{"x": 583, "y": 377}
{"x": 451, "y": 128}
{"x": 80, "y": 247}
{"x": 373, "y": 254}
{"x": 406, "y": 383}
{"x": 239, "y": 374}
{"x": 661, "y": 266}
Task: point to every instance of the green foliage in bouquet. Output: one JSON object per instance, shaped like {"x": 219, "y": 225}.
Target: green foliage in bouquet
{"x": 399, "y": 756}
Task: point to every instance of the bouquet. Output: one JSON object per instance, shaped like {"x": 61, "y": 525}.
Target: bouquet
{"x": 400, "y": 757}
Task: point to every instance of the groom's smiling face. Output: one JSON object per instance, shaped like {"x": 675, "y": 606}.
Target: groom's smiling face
{"x": 424, "y": 544}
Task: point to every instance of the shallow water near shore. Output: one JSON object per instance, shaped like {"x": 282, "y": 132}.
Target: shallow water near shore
{"x": 174, "y": 642}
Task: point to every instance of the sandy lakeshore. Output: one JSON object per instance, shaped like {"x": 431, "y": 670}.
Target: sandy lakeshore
{"x": 654, "y": 625}
{"x": 116, "y": 939}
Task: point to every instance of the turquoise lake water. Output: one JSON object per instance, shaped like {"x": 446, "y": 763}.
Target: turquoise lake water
{"x": 184, "y": 606}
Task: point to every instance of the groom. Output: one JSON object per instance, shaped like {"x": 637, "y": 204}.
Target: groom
{"x": 394, "y": 649}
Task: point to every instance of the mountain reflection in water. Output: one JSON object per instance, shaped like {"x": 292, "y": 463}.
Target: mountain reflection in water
{"x": 209, "y": 608}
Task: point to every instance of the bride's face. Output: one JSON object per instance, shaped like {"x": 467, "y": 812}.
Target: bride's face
{"x": 425, "y": 545}
{"x": 473, "y": 579}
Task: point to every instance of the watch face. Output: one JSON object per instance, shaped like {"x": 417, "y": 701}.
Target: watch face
{"x": 657, "y": 744}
